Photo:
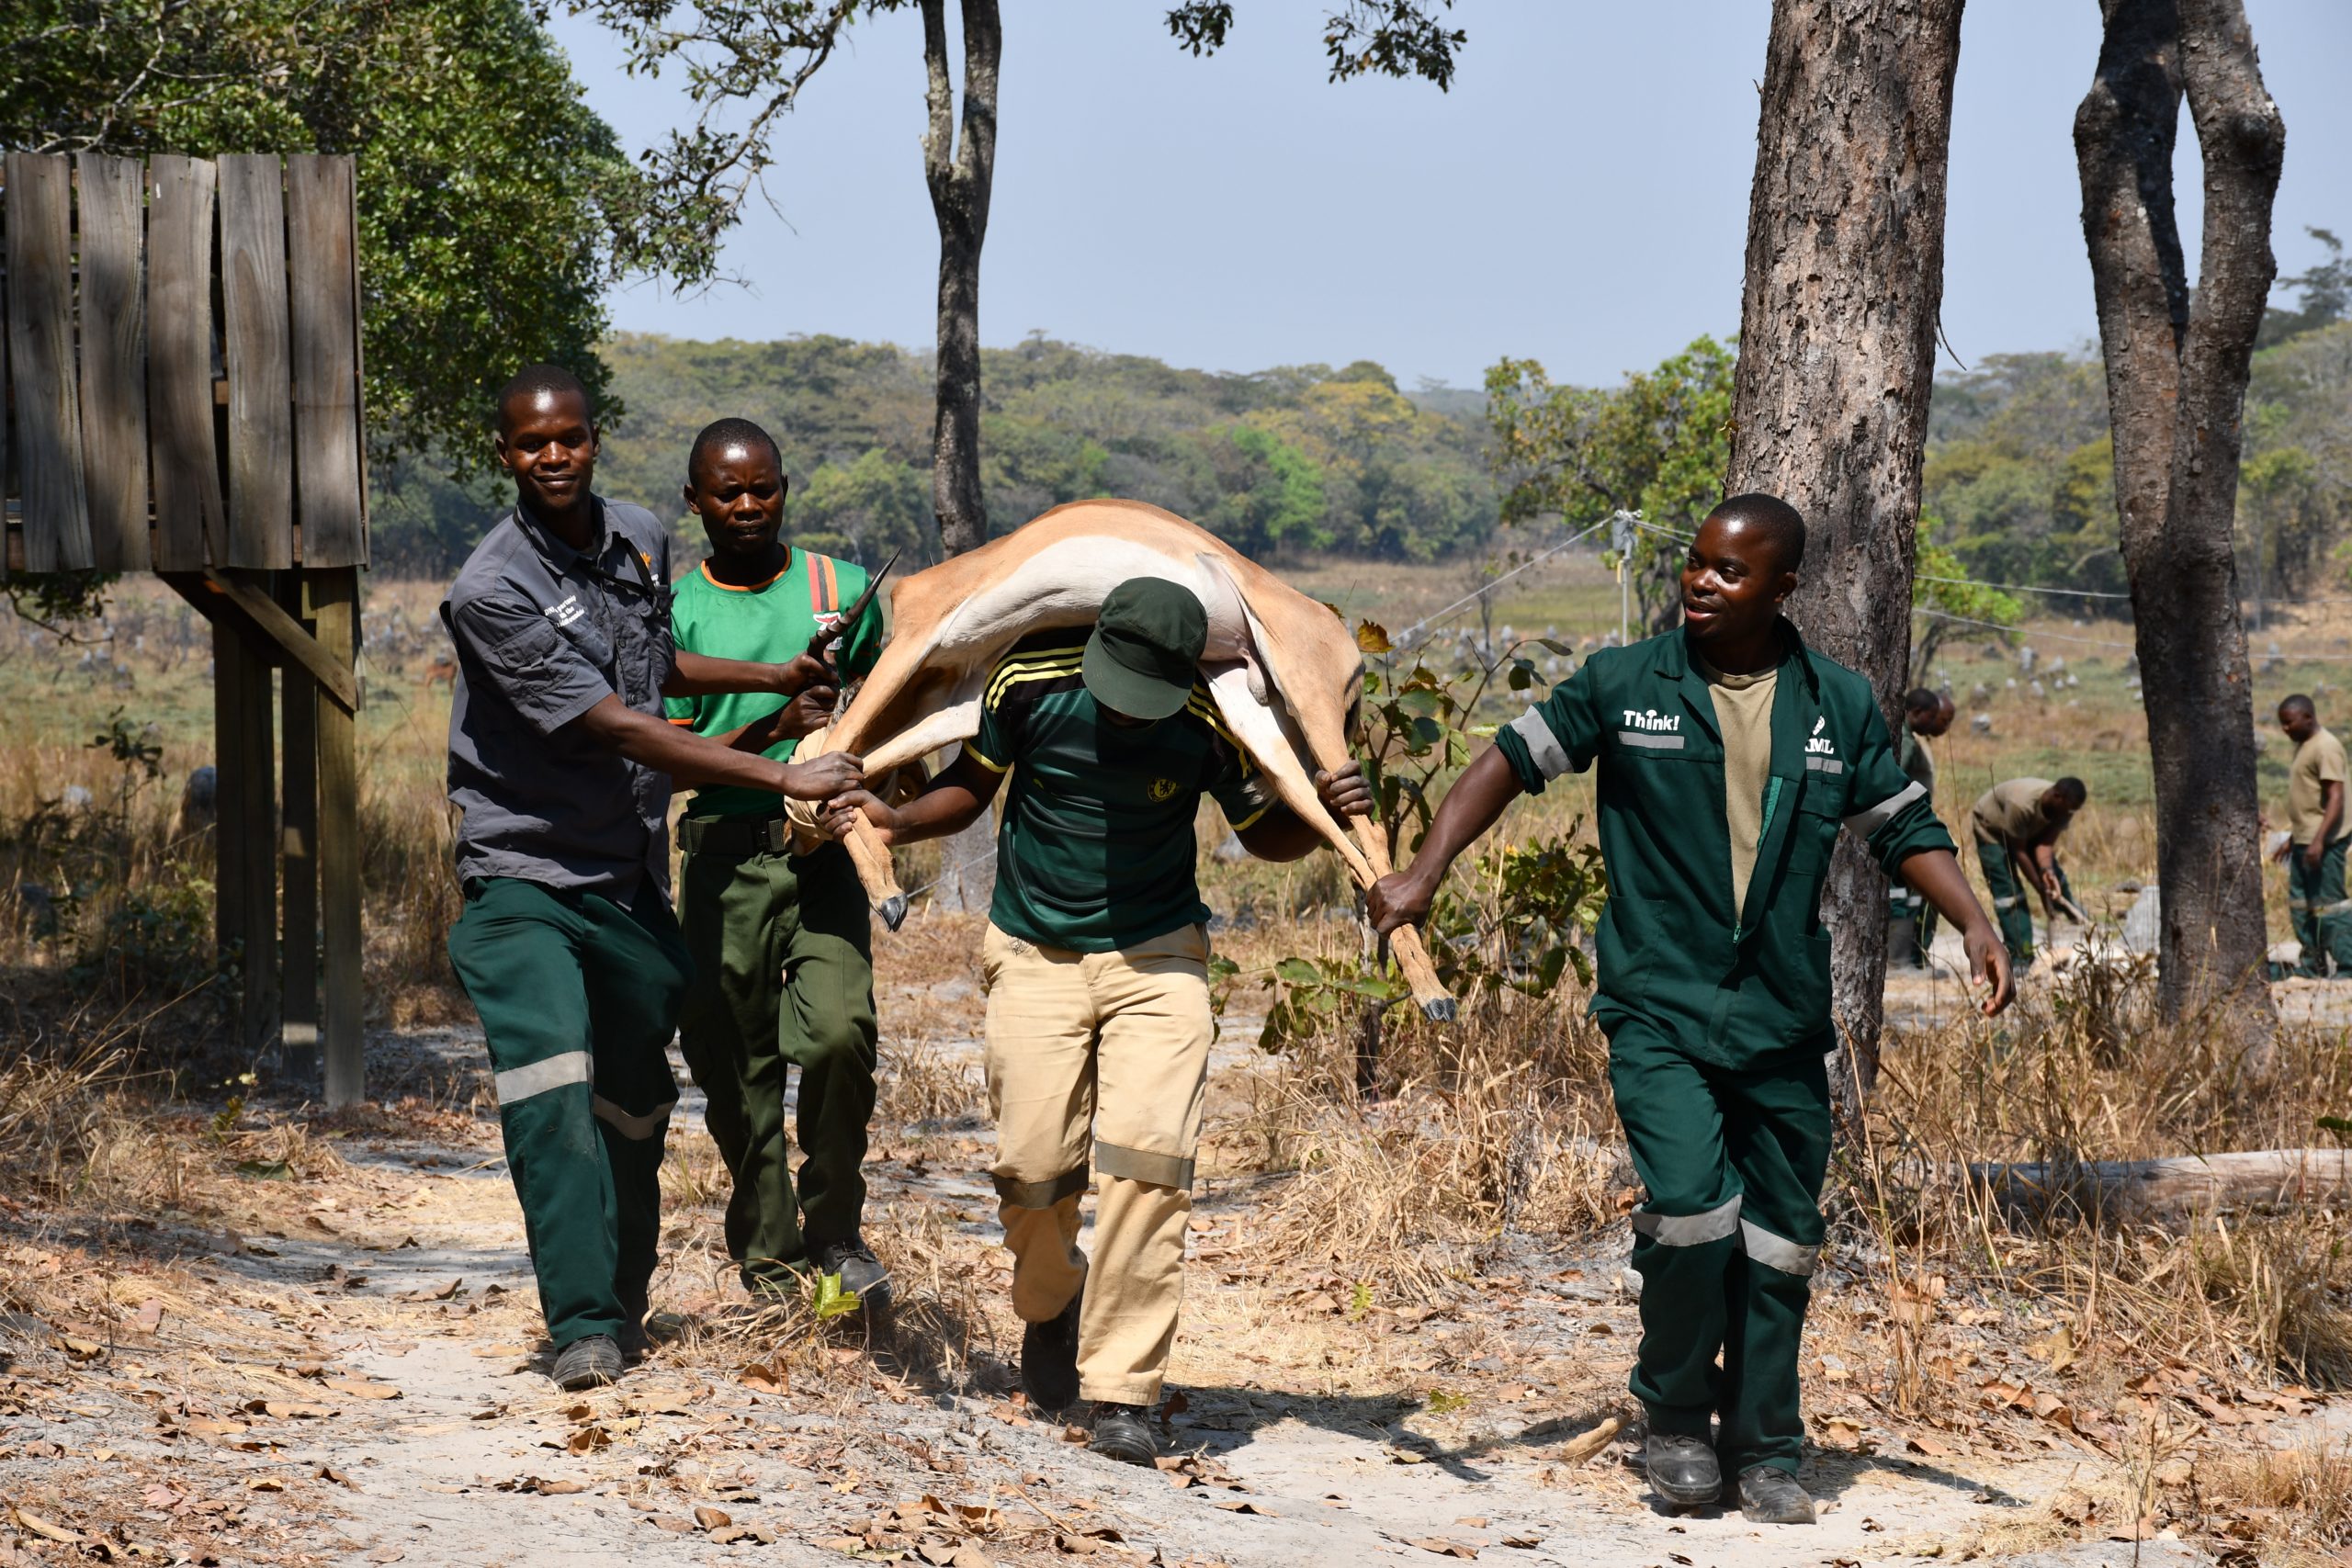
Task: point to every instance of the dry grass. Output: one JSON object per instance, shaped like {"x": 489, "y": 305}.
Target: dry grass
{"x": 924, "y": 1086}
{"x": 2291, "y": 1508}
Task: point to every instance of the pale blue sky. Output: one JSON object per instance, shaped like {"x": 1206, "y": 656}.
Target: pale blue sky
{"x": 1581, "y": 197}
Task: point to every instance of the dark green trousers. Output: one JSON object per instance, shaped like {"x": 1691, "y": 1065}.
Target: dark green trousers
{"x": 2321, "y": 915}
{"x": 784, "y": 977}
{"x": 1726, "y": 1242}
{"x": 579, "y": 997}
{"x": 2009, "y": 896}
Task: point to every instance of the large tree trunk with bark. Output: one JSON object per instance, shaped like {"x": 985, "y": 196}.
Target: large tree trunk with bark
{"x": 960, "y": 174}
{"x": 2175, "y": 385}
{"x": 1837, "y": 358}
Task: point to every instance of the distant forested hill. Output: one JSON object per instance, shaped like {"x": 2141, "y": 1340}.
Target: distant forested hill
{"x": 1301, "y": 459}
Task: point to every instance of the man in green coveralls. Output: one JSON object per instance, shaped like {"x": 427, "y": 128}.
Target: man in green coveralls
{"x": 2317, "y": 835}
{"x": 783, "y": 957}
{"x": 562, "y": 769}
{"x": 1926, "y": 717}
{"x": 1729, "y": 754}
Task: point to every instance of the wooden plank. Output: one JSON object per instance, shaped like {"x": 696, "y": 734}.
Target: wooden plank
{"x": 254, "y": 327}
{"x": 298, "y": 862}
{"x": 325, "y": 323}
{"x": 114, "y": 360}
{"x": 334, "y": 598}
{"x": 191, "y": 523}
{"x": 333, "y": 677}
{"x": 40, "y": 355}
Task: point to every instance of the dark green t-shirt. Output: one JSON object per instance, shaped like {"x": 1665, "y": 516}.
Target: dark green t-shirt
{"x": 1097, "y": 851}
{"x": 771, "y": 624}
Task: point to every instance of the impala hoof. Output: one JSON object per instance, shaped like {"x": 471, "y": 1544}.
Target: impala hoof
{"x": 894, "y": 915}
{"x": 1441, "y": 1011}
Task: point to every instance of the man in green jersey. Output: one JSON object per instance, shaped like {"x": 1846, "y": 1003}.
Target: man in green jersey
{"x": 1730, "y": 756}
{"x": 1911, "y": 937}
{"x": 1096, "y": 960}
{"x": 782, "y": 961}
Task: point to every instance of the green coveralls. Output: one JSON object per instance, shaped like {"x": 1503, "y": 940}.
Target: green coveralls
{"x": 1718, "y": 1020}
{"x": 2009, "y": 906}
{"x": 549, "y": 971}
{"x": 2322, "y": 914}
{"x": 781, "y": 943}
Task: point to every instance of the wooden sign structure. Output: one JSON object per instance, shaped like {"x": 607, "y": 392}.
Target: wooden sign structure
{"x": 183, "y": 378}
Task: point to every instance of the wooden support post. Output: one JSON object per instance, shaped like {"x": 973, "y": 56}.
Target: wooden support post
{"x": 333, "y": 594}
{"x": 299, "y": 719}
{"x": 228, "y": 793}
{"x": 257, "y": 759}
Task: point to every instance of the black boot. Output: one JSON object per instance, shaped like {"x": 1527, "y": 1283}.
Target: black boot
{"x": 1769, "y": 1495}
{"x": 1684, "y": 1471}
{"x": 588, "y": 1363}
{"x": 1049, "y": 1361}
{"x": 1123, "y": 1432}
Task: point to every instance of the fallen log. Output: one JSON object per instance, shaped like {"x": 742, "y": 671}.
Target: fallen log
{"x": 2150, "y": 1188}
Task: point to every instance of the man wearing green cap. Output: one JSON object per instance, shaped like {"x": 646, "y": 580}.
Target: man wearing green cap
{"x": 1097, "y": 965}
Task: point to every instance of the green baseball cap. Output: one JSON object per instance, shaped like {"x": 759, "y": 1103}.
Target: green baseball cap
{"x": 1146, "y": 650}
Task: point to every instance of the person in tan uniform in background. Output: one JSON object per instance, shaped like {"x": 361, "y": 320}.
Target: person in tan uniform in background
{"x": 2316, "y": 834}
{"x": 2017, "y": 826}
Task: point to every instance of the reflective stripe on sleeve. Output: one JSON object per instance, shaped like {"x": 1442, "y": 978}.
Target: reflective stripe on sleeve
{"x": 1830, "y": 765}
{"x": 538, "y": 1078}
{"x": 1690, "y": 1230}
{"x": 1777, "y": 1251}
{"x": 1862, "y": 824}
{"x": 636, "y": 1129}
{"x": 1544, "y": 748}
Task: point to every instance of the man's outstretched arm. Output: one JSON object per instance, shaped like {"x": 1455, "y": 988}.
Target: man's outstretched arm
{"x": 1935, "y": 875}
{"x": 1475, "y": 804}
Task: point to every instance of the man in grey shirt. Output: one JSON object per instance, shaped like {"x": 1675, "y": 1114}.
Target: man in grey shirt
{"x": 562, "y": 765}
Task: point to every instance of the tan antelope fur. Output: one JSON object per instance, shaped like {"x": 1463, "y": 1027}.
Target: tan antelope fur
{"x": 1284, "y": 670}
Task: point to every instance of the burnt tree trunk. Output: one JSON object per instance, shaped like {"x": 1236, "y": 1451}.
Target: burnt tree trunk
{"x": 960, "y": 174}
{"x": 1837, "y": 358}
{"x": 2175, "y": 385}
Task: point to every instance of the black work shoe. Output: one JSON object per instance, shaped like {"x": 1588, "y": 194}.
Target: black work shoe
{"x": 1684, "y": 1471}
{"x": 1770, "y": 1496}
{"x": 635, "y": 1343}
{"x": 1123, "y": 1432}
{"x": 588, "y": 1363}
{"x": 861, "y": 1272}
{"x": 1049, "y": 1361}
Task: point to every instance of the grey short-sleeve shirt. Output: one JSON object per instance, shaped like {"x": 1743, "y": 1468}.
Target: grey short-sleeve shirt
{"x": 543, "y": 634}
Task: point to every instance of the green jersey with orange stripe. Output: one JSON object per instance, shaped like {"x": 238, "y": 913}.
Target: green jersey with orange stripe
{"x": 1096, "y": 851}
{"x": 769, "y": 623}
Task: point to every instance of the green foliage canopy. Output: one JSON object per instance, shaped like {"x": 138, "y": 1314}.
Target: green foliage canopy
{"x": 485, "y": 183}
{"x": 1659, "y": 446}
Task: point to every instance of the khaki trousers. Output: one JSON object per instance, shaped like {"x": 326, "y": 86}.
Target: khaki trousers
{"x": 1109, "y": 1050}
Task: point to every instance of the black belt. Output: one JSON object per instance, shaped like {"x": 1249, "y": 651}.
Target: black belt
{"x": 737, "y": 835}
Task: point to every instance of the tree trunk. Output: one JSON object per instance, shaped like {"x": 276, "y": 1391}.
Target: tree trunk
{"x": 2175, "y": 385}
{"x": 960, "y": 177}
{"x": 1837, "y": 358}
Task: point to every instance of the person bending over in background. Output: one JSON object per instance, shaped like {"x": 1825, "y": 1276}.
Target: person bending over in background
{"x": 562, "y": 768}
{"x": 2017, "y": 826}
{"x": 1096, "y": 962}
{"x": 1926, "y": 715}
{"x": 781, "y": 942}
{"x": 2316, "y": 832}
{"x": 1730, "y": 754}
